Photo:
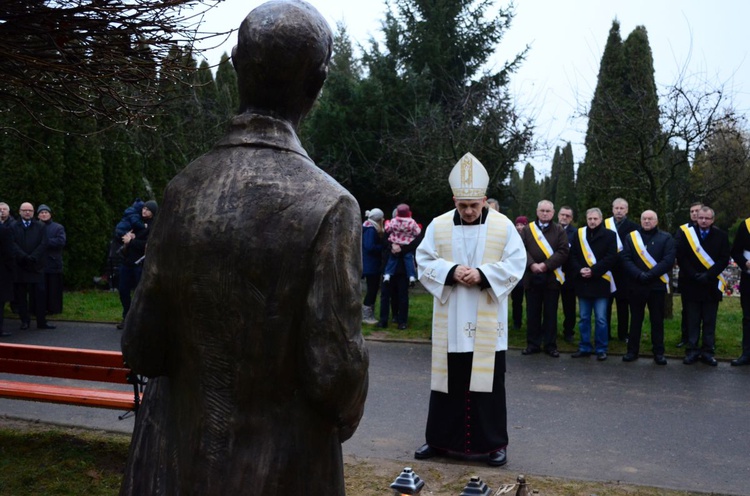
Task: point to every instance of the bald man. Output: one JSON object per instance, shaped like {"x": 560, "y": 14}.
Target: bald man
{"x": 648, "y": 256}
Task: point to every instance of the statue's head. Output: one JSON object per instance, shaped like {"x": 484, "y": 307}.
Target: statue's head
{"x": 281, "y": 58}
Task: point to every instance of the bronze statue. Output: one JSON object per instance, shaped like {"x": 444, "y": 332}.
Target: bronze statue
{"x": 248, "y": 314}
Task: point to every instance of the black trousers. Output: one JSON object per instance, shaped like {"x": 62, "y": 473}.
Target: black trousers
{"x": 623, "y": 314}
{"x": 516, "y": 299}
{"x": 24, "y": 291}
{"x": 701, "y": 312}
{"x": 570, "y": 312}
{"x": 541, "y": 317}
{"x": 655, "y": 300}
{"x": 745, "y": 303}
{"x": 396, "y": 290}
{"x": 373, "y": 282}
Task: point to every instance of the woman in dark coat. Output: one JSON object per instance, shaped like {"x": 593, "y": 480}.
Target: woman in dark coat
{"x": 53, "y": 266}
{"x": 372, "y": 254}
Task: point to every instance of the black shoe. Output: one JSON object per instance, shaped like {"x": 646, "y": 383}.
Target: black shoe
{"x": 24, "y": 326}
{"x": 660, "y": 360}
{"x": 690, "y": 359}
{"x": 5, "y": 334}
{"x": 709, "y": 360}
{"x": 629, "y": 357}
{"x": 46, "y": 326}
{"x": 681, "y": 344}
{"x": 497, "y": 458}
{"x": 531, "y": 351}
{"x": 426, "y": 451}
{"x": 401, "y": 327}
{"x": 742, "y": 360}
{"x": 120, "y": 325}
{"x": 553, "y": 353}
{"x": 580, "y": 354}
{"x": 601, "y": 356}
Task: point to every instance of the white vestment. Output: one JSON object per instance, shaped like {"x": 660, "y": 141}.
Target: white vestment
{"x": 456, "y": 305}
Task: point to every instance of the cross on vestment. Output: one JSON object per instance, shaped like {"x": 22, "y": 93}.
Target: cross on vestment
{"x": 470, "y": 329}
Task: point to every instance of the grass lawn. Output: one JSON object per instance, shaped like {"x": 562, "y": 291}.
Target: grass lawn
{"x": 728, "y": 327}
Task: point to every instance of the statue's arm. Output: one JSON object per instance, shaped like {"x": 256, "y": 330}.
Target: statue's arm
{"x": 334, "y": 357}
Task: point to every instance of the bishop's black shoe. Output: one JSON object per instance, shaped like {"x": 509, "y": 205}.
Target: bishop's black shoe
{"x": 497, "y": 458}
{"x": 742, "y": 360}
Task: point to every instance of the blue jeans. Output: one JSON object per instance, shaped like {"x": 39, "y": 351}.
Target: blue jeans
{"x": 599, "y": 306}
{"x": 130, "y": 276}
{"x": 390, "y": 266}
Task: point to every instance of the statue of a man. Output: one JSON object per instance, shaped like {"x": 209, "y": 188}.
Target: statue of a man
{"x": 248, "y": 314}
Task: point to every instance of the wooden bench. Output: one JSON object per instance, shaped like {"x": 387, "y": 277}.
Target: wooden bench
{"x": 69, "y": 363}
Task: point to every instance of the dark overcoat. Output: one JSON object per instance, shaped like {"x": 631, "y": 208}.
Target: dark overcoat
{"x": 604, "y": 245}
{"x": 30, "y": 251}
{"x": 692, "y": 286}
{"x": 7, "y": 264}
{"x": 250, "y": 306}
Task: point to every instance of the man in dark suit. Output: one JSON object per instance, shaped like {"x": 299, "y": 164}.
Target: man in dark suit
{"x": 249, "y": 308}
{"x": 7, "y": 269}
{"x": 30, "y": 239}
{"x": 695, "y": 208}
{"x": 622, "y": 226}
{"x": 567, "y": 291}
{"x": 702, "y": 254}
{"x": 648, "y": 257}
{"x": 546, "y": 251}
{"x": 741, "y": 256}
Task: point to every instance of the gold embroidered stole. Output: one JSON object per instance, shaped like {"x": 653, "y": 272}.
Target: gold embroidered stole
{"x": 588, "y": 254}
{"x": 486, "y": 328}
{"x": 703, "y": 257}
{"x": 645, "y": 256}
{"x": 546, "y": 248}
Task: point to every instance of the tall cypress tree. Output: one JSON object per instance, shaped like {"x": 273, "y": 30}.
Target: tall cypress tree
{"x": 566, "y": 188}
{"x": 597, "y": 175}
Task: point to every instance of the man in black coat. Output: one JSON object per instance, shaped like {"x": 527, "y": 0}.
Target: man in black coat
{"x": 7, "y": 269}
{"x": 546, "y": 251}
{"x": 648, "y": 256}
{"x": 592, "y": 256}
{"x": 741, "y": 256}
{"x": 702, "y": 254}
{"x": 30, "y": 248}
{"x": 567, "y": 291}
{"x": 622, "y": 226}
{"x": 695, "y": 207}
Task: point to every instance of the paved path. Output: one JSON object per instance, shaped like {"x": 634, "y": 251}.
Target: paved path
{"x": 678, "y": 427}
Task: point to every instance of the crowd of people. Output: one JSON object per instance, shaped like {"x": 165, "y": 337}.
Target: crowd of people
{"x": 609, "y": 262}
{"x": 31, "y": 265}
{"x": 31, "y": 260}
{"x": 473, "y": 258}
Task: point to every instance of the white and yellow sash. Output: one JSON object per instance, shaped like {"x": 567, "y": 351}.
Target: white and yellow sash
{"x": 610, "y": 224}
{"x": 646, "y": 257}
{"x": 546, "y": 248}
{"x": 487, "y": 326}
{"x": 703, "y": 257}
{"x": 588, "y": 254}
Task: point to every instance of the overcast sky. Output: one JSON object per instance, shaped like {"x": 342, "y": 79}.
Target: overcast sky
{"x": 708, "y": 41}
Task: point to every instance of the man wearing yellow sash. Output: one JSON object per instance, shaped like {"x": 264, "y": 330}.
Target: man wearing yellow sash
{"x": 741, "y": 256}
{"x": 702, "y": 254}
{"x": 546, "y": 251}
{"x": 470, "y": 260}
{"x": 622, "y": 226}
{"x": 648, "y": 256}
{"x": 592, "y": 256}
{"x": 695, "y": 208}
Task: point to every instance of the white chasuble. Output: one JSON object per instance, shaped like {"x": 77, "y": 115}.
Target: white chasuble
{"x": 468, "y": 319}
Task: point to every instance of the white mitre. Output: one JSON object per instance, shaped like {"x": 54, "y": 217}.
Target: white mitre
{"x": 469, "y": 179}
